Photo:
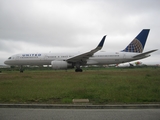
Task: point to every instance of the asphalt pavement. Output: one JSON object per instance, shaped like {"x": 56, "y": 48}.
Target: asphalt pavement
{"x": 78, "y": 114}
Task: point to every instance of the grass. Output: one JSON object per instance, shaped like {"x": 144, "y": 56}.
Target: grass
{"x": 100, "y": 86}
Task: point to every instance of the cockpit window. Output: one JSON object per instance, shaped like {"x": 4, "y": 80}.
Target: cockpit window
{"x": 9, "y": 58}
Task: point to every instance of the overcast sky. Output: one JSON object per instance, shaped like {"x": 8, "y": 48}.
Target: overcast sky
{"x": 29, "y": 26}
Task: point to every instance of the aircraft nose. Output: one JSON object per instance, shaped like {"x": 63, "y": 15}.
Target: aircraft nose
{"x": 5, "y": 62}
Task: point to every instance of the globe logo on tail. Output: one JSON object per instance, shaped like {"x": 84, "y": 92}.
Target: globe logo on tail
{"x": 134, "y": 46}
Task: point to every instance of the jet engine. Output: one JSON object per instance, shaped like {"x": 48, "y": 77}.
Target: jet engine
{"x": 61, "y": 65}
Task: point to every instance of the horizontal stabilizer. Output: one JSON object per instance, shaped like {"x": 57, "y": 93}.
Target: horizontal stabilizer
{"x": 145, "y": 53}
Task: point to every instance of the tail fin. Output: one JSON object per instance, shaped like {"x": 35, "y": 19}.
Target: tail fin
{"x": 137, "y": 45}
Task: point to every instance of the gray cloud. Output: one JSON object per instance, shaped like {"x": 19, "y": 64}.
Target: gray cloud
{"x": 76, "y": 24}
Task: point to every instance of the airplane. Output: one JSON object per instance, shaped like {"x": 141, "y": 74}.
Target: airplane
{"x": 134, "y": 64}
{"x": 134, "y": 51}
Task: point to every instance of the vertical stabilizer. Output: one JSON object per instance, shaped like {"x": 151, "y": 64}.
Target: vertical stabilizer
{"x": 137, "y": 45}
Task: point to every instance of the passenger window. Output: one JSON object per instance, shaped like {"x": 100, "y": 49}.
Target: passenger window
{"x": 9, "y": 58}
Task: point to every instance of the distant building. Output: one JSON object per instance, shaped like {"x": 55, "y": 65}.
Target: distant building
{"x": 4, "y": 66}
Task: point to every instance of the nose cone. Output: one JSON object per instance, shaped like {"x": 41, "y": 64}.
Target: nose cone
{"x": 6, "y": 62}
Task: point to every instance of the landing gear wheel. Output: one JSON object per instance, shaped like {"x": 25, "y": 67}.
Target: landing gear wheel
{"x": 78, "y": 70}
{"x": 21, "y": 71}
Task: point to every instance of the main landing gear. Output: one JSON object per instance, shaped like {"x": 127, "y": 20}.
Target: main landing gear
{"x": 78, "y": 70}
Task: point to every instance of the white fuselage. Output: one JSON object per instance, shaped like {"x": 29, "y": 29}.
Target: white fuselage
{"x": 99, "y": 58}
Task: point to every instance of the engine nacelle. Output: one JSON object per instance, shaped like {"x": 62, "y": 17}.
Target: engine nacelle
{"x": 61, "y": 65}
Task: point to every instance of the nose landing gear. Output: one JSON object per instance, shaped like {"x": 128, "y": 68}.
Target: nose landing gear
{"x": 21, "y": 69}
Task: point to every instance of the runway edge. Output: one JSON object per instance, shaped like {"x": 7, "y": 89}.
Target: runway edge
{"x": 75, "y": 106}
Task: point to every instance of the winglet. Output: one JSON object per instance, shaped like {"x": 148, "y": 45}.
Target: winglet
{"x": 83, "y": 57}
{"x": 102, "y": 42}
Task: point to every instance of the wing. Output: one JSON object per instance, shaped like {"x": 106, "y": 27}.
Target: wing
{"x": 144, "y": 54}
{"x": 82, "y": 58}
